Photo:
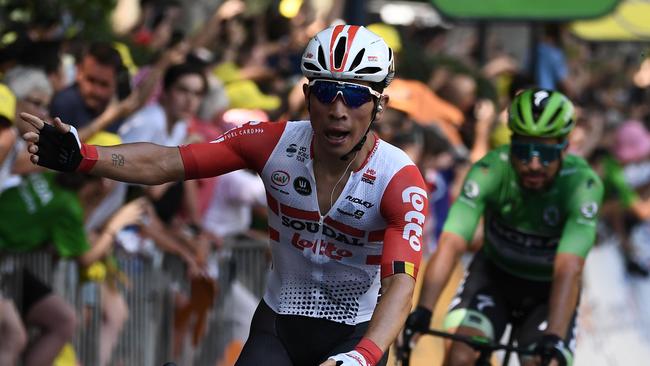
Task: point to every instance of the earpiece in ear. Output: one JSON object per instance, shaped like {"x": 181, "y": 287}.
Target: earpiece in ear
{"x": 379, "y": 108}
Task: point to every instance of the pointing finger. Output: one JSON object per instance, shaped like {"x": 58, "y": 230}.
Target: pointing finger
{"x": 32, "y": 120}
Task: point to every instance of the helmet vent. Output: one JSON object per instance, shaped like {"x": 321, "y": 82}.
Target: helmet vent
{"x": 555, "y": 115}
{"x": 321, "y": 58}
{"x": 357, "y": 60}
{"x": 310, "y": 66}
{"x": 339, "y": 52}
{"x": 369, "y": 70}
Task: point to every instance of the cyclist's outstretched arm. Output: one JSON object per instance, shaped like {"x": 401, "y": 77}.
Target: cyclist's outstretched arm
{"x": 565, "y": 291}
{"x": 59, "y": 149}
{"x": 439, "y": 268}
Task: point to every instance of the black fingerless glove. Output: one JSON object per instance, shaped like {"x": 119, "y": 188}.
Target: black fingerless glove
{"x": 418, "y": 321}
{"x": 552, "y": 347}
{"x": 63, "y": 151}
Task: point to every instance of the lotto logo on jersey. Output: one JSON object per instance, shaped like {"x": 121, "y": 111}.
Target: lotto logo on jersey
{"x": 414, "y": 227}
{"x": 327, "y": 249}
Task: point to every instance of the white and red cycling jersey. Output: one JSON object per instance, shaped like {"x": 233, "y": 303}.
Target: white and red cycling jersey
{"x": 324, "y": 266}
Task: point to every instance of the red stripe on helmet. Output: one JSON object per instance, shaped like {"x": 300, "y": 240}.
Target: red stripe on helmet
{"x": 351, "y": 33}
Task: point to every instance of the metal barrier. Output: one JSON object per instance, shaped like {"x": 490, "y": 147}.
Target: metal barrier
{"x": 146, "y": 338}
{"x": 62, "y": 277}
{"x": 145, "y": 298}
{"x": 251, "y": 259}
{"x": 244, "y": 259}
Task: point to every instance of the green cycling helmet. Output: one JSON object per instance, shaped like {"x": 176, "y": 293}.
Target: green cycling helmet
{"x": 541, "y": 113}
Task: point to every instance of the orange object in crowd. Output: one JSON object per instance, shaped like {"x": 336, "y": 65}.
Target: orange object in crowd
{"x": 422, "y": 105}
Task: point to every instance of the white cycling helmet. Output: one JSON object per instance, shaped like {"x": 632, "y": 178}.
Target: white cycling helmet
{"x": 348, "y": 52}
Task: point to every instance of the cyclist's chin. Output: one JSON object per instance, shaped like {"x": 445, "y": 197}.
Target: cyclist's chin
{"x": 535, "y": 184}
{"x": 337, "y": 146}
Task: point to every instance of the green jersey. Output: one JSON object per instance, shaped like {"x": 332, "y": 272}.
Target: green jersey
{"x": 39, "y": 212}
{"x": 525, "y": 229}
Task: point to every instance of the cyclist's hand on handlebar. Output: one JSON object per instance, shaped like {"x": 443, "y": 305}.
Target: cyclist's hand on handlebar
{"x": 551, "y": 348}
{"x": 416, "y": 323}
{"x": 352, "y": 358}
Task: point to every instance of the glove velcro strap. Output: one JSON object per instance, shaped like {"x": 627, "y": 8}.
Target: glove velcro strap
{"x": 369, "y": 350}
{"x": 90, "y": 157}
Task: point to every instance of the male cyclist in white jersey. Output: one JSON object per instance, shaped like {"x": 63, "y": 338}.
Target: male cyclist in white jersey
{"x": 346, "y": 209}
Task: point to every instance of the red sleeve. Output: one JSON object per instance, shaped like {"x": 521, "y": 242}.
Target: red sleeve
{"x": 404, "y": 206}
{"x": 248, "y": 146}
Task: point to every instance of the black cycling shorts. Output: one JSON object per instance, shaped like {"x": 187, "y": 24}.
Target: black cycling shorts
{"x": 26, "y": 290}
{"x": 489, "y": 298}
{"x": 287, "y": 340}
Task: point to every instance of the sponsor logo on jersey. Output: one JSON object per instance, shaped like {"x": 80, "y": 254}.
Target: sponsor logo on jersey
{"x": 551, "y": 215}
{"x": 589, "y": 210}
{"x": 415, "y": 218}
{"x": 302, "y": 154}
{"x": 357, "y": 214}
{"x": 291, "y": 150}
{"x": 280, "y": 178}
{"x": 359, "y": 201}
{"x": 315, "y": 227}
{"x": 302, "y": 186}
{"x": 369, "y": 176}
{"x": 320, "y": 247}
{"x": 471, "y": 189}
{"x": 522, "y": 244}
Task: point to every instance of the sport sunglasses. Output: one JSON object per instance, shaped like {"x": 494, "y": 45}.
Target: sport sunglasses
{"x": 354, "y": 95}
{"x": 547, "y": 153}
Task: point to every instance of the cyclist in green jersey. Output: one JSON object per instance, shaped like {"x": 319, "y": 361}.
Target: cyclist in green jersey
{"x": 540, "y": 208}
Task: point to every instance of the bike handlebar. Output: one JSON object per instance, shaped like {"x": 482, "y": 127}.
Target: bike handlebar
{"x": 479, "y": 343}
{"x": 483, "y": 345}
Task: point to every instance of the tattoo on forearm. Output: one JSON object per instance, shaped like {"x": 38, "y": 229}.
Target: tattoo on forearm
{"x": 118, "y": 160}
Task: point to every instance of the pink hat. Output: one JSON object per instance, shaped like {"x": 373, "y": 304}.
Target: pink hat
{"x": 632, "y": 142}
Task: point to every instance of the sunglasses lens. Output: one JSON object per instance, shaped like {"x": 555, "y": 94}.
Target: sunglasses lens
{"x": 325, "y": 92}
{"x": 354, "y": 96}
{"x": 546, "y": 153}
{"x": 521, "y": 151}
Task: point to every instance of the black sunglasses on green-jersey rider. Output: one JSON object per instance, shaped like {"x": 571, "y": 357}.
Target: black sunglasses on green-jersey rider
{"x": 547, "y": 153}
{"x": 354, "y": 95}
